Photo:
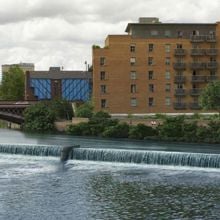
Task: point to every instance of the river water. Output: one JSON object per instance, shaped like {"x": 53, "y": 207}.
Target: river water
{"x": 34, "y": 187}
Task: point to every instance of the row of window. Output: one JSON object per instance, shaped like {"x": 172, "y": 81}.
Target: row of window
{"x": 134, "y": 102}
{"x": 133, "y": 88}
{"x": 150, "y": 61}
{"x": 151, "y": 47}
{"x": 133, "y": 75}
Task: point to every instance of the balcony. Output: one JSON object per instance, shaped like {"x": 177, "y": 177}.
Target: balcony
{"x": 179, "y": 106}
{"x": 212, "y": 65}
{"x": 211, "y": 38}
{"x": 180, "y": 92}
{"x": 211, "y": 78}
{"x": 180, "y": 52}
{"x": 195, "y": 92}
{"x": 198, "y": 79}
{"x": 198, "y": 65}
{"x": 194, "y": 106}
{"x": 212, "y": 52}
{"x": 197, "y": 52}
{"x": 179, "y": 66}
{"x": 197, "y": 38}
{"x": 180, "y": 79}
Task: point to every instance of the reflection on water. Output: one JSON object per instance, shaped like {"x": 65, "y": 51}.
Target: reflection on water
{"x": 41, "y": 188}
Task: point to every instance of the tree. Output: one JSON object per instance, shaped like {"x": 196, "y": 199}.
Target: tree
{"x": 210, "y": 97}
{"x": 12, "y": 87}
{"x": 39, "y": 118}
{"x": 85, "y": 110}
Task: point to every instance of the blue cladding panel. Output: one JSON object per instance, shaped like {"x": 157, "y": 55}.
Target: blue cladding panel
{"x": 76, "y": 89}
{"x": 42, "y": 88}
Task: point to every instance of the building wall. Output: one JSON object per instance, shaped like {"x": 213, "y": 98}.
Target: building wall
{"x": 118, "y": 82}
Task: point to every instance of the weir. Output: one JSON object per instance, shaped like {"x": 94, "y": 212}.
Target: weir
{"x": 117, "y": 155}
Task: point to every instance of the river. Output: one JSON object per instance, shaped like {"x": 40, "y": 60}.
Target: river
{"x": 35, "y": 187}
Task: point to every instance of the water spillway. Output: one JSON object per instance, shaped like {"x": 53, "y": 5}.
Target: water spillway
{"x": 148, "y": 157}
{"x": 119, "y": 155}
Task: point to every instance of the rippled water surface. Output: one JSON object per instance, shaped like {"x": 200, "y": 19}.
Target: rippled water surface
{"x": 43, "y": 188}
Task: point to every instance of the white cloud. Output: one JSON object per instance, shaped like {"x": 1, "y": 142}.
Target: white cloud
{"x": 61, "y": 32}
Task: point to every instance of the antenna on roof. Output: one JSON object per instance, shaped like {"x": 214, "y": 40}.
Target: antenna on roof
{"x": 86, "y": 65}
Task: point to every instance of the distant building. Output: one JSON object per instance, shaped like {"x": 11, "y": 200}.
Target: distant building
{"x": 156, "y": 67}
{"x": 24, "y": 66}
{"x": 56, "y": 83}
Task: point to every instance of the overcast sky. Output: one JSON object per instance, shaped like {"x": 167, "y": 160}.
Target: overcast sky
{"x": 62, "y": 32}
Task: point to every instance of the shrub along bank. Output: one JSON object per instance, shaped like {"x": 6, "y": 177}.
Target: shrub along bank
{"x": 177, "y": 128}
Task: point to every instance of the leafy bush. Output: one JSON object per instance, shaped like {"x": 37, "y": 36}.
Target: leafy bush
{"x": 81, "y": 129}
{"x": 85, "y": 110}
{"x": 117, "y": 131}
{"x": 39, "y": 118}
{"x": 141, "y": 131}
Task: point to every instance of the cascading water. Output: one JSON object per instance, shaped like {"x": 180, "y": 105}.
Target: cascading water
{"x": 119, "y": 155}
{"x": 148, "y": 157}
{"x": 34, "y": 150}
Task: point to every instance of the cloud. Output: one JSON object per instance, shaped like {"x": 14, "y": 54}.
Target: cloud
{"x": 62, "y": 32}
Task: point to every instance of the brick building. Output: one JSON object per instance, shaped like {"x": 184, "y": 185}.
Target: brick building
{"x": 156, "y": 68}
{"x": 56, "y": 83}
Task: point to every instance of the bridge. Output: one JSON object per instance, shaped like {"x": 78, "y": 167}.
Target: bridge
{"x": 12, "y": 111}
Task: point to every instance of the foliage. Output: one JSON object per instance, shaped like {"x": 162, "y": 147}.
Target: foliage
{"x": 62, "y": 109}
{"x": 81, "y": 129}
{"x": 172, "y": 127}
{"x": 141, "y": 131}
{"x": 117, "y": 131}
{"x": 85, "y": 110}
{"x": 39, "y": 118}
{"x": 96, "y": 46}
{"x": 210, "y": 97}
{"x": 12, "y": 87}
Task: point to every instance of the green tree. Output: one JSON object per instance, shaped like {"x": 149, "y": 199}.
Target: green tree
{"x": 12, "y": 87}
{"x": 85, "y": 110}
{"x": 210, "y": 97}
{"x": 39, "y": 118}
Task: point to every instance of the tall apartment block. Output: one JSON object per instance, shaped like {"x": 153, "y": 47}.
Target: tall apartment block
{"x": 24, "y": 66}
{"x": 156, "y": 67}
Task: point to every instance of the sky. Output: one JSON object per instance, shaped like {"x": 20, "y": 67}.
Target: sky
{"x": 62, "y": 32}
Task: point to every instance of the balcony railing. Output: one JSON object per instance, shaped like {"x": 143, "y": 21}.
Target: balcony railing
{"x": 197, "y": 52}
{"x": 211, "y": 78}
{"x": 180, "y": 79}
{"x": 212, "y": 65}
{"x": 180, "y": 52}
{"x": 198, "y": 79}
{"x": 195, "y": 92}
{"x": 179, "y": 105}
{"x": 198, "y": 65}
{"x": 202, "y": 38}
{"x": 194, "y": 106}
{"x": 180, "y": 92}
{"x": 212, "y": 52}
{"x": 179, "y": 66}
{"x": 197, "y": 38}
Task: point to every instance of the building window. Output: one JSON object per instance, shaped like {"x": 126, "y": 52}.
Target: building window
{"x": 102, "y": 75}
{"x": 167, "y": 33}
{"x": 150, "y": 74}
{"x": 103, "y": 89}
{"x": 167, "y": 87}
{"x": 132, "y": 48}
{"x": 103, "y": 103}
{"x": 167, "y": 61}
{"x": 167, "y": 101}
{"x": 179, "y": 46}
{"x": 133, "y": 75}
{"x": 132, "y": 61}
{"x": 133, "y": 88}
{"x": 150, "y": 47}
{"x": 167, "y": 48}
{"x": 180, "y": 34}
{"x": 167, "y": 75}
{"x": 154, "y": 33}
{"x": 133, "y": 102}
{"x": 150, "y": 61}
{"x": 102, "y": 61}
{"x": 151, "y": 87}
{"x": 179, "y": 86}
{"x": 151, "y": 101}
{"x": 195, "y": 33}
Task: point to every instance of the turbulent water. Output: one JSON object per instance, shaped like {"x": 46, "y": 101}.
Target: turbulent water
{"x": 93, "y": 188}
